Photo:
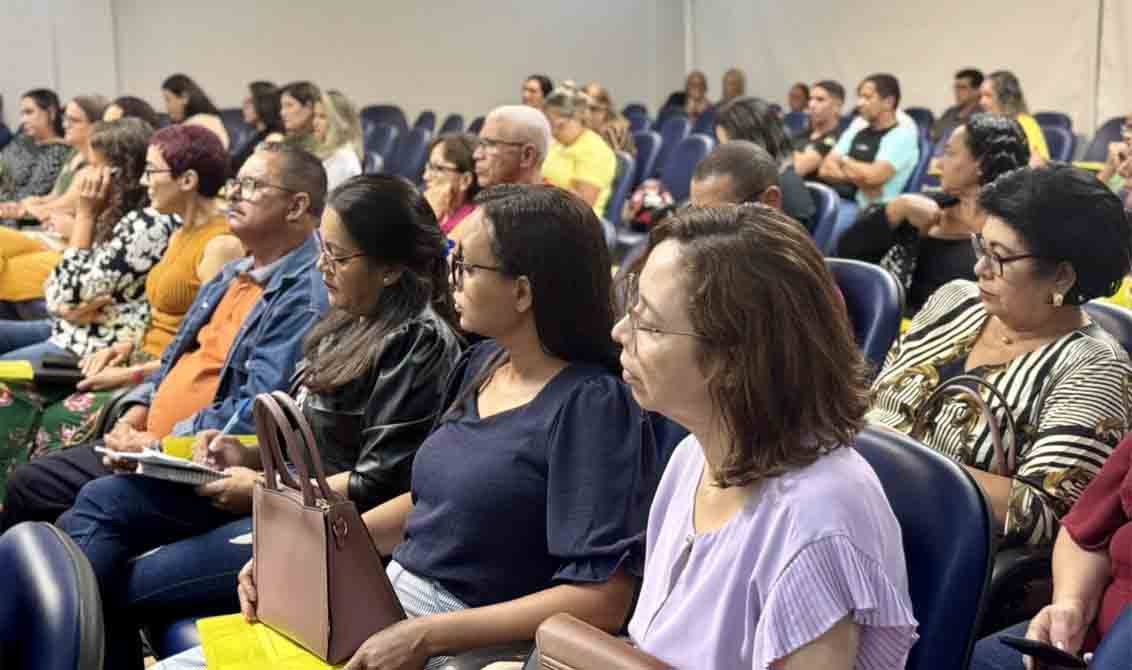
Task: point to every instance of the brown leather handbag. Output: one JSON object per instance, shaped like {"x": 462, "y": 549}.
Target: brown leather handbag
{"x": 1004, "y": 442}
{"x": 567, "y": 643}
{"x": 318, "y": 574}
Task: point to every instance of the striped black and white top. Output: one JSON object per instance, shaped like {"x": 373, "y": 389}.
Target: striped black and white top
{"x": 1071, "y": 400}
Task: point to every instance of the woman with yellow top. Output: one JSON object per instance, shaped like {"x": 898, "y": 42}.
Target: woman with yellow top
{"x": 1001, "y": 93}
{"x": 26, "y": 259}
{"x": 578, "y": 160}
{"x": 185, "y": 167}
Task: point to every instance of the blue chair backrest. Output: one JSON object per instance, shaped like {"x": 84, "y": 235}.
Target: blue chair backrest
{"x": 381, "y": 138}
{"x": 635, "y": 109}
{"x": 411, "y": 155}
{"x": 453, "y": 123}
{"x": 845, "y": 120}
{"x": 666, "y": 113}
{"x": 374, "y": 163}
{"x": 648, "y": 150}
{"x": 238, "y": 130}
{"x": 705, "y": 123}
{"x": 622, "y": 183}
{"x": 946, "y": 526}
{"x": 427, "y": 120}
{"x": 923, "y": 117}
{"x": 390, "y": 114}
{"x": 674, "y": 130}
{"x": 1061, "y": 142}
{"x": 1116, "y": 647}
{"x": 51, "y": 612}
{"x": 1114, "y": 319}
{"x": 916, "y": 179}
{"x": 682, "y": 161}
{"x": 827, "y": 202}
{"x": 475, "y": 125}
{"x": 1054, "y": 119}
{"x": 875, "y": 305}
{"x": 796, "y": 122}
{"x": 1108, "y": 132}
{"x": 638, "y": 123}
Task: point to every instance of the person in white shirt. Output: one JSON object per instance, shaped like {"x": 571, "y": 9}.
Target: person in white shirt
{"x": 339, "y": 135}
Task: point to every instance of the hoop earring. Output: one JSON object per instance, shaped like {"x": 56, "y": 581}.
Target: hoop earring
{"x": 1058, "y": 299}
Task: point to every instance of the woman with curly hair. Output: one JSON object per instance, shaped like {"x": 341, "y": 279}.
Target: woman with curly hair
{"x": 924, "y": 239}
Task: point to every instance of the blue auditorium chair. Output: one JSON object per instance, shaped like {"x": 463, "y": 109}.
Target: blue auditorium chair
{"x": 427, "y": 120}
{"x": 705, "y": 123}
{"x": 374, "y": 163}
{"x": 50, "y": 610}
{"x": 1114, "y": 319}
{"x": 238, "y": 130}
{"x": 388, "y": 114}
{"x": 681, "y": 162}
{"x": 648, "y": 151}
{"x": 923, "y": 117}
{"x": 666, "y": 113}
{"x": 635, "y": 109}
{"x": 1108, "y": 132}
{"x": 1054, "y": 119}
{"x": 796, "y": 122}
{"x": 411, "y": 154}
{"x": 1061, "y": 142}
{"x": 453, "y": 123}
{"x": 916, "y": 179}
{"x": 475, "y": 125}
{"x": 875, "y": 303}
{"x": 827, "y": 201}
{"x": 638, "y": 124}
{"x": 381, "y": 138}
{"x": 622, "y": 183}
{"x": 946, "y": 526}
{"x": 672, "y": 132}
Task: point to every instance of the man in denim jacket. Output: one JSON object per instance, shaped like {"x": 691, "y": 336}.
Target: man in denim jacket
{"x": 241, "y": 337}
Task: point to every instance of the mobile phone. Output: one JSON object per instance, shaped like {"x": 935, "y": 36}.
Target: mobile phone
{"x": 1046, "y": 654}
{"x": 60, "y": 361}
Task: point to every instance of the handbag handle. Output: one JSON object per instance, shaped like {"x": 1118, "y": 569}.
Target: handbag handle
{"x": 1004, "y": 450}
{"x": 306, "y": 444}
{"x": 268, "y": 427}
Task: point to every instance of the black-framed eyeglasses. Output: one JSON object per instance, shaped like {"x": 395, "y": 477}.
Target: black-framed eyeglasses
{"x": 246, "y": 187}
{"x": 998, "y": 262}
{"x": 632, "y": 305}
{"x": 492, "y": 143}
{"x": 333, "y": 263}
{"x": 459, "y": 268}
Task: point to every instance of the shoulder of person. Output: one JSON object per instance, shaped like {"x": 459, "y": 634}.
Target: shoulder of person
{"x": 831, "y": 495}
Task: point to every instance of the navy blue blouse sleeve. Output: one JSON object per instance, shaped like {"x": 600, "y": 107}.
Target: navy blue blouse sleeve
{"x": 595, "y": 474}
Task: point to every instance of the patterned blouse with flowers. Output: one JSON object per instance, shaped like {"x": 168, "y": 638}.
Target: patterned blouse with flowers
{"x": 1071, "y": 400}
{"x": 116, "y": 268}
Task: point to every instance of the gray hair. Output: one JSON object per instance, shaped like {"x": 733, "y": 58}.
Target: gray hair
{"x": 566, "y": 102}
{"x": 528, "y": 123}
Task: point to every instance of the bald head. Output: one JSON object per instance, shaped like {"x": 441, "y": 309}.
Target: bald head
{"x": 513, "y": 144}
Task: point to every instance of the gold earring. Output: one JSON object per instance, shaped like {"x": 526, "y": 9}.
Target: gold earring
{"x": 1058, "y": 299}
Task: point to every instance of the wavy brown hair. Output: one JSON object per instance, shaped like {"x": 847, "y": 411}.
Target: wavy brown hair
{"x": 784, "y": 368}
{"x": 122, "y": 144}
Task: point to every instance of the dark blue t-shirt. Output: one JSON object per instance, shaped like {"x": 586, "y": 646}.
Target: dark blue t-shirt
{"x": 554, "y": 491}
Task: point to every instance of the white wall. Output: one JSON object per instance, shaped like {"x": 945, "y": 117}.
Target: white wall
{"x": 1050, "y": 44}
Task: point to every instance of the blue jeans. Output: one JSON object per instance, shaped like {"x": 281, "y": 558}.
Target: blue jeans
{"x": 990, "y": 654}
{"x": 159, "y": 551}
{"x": 26, "y": 340}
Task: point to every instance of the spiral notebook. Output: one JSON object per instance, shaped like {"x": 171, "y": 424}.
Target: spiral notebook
{"x": 152, "y": 463}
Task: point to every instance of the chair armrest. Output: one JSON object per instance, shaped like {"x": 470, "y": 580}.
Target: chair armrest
{"x": 1021, "y": 584}
{"x": 479, "y": 658}
{"x": 1020, "y": 564}
{"x": 111, "y": 412}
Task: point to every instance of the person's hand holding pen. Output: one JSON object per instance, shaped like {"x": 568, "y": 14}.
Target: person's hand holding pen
{"x": 219, "y": 449}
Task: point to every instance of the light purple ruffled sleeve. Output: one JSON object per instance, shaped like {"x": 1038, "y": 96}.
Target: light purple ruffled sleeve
{"x": 828, "y": 579}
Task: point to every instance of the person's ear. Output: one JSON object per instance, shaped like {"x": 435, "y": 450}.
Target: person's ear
{"x": 524, "y": 296}
{"x": 772, "y": 197}
{"x": 528, "y": 156}
{"x": 1064, "y": 278}
{"x": 464, "y": 181}
{"x": 300, "y": 206}
{"x": 189, "y": 181}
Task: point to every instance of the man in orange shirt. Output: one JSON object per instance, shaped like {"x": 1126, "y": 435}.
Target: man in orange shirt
{"x": 242, "y": 336}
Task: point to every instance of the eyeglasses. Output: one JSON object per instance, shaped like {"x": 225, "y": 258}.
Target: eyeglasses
{"x": 632, "y": 303}
{"x": 997, "y": 261}
{"x": 437, "y": 167}
{"x": 459, "y": 268}
{"x": 333, "y": 263}
{"x": 246, "y": 187}
{"x": 493, "y": 144}
{"x": 150, "y": 171}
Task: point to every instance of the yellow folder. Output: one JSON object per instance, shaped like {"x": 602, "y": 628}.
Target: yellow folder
{"x": 230, "y": 643}
{"x": 16, "y": 371}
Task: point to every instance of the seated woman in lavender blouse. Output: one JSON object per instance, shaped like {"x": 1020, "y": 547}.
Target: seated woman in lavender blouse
{"x": 769, "y": 536}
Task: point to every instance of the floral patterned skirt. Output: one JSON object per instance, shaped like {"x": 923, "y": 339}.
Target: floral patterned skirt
{"x": 35, "y": 421}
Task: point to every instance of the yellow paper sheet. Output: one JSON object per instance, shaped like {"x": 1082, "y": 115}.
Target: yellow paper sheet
{"x": 230, "y": 643}
{"x": 182, "y": 447}
{"x": 16, "y": 371}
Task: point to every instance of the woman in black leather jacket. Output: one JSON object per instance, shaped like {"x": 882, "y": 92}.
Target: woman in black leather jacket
{"x": 370, "y": 384}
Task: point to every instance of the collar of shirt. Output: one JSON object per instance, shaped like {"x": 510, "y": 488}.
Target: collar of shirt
{"x": 259, "y": 275}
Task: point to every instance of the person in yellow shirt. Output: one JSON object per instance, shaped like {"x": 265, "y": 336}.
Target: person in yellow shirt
{"x": 1001, "y": 93}
{"x": 579, "y": 160}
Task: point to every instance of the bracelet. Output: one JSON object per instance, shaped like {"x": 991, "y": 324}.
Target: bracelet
{"x": 138, "y": 375}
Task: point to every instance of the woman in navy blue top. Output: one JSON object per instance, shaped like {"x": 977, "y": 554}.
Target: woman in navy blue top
{"x": 531, "y": 495}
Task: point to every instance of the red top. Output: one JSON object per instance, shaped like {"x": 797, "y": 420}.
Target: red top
{"x": 1102, "y": 518}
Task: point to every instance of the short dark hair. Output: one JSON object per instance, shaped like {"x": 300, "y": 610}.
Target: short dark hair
{"x": 751, "y": 169}
{"x": 553, "y": 238}
{"x": 391, "y": 223}
{"x": 887, "y": 86}
{"x": 198, "y": 101}
{"x": 1064, "y": 214}
{"x": 998, "y": 143}
{"x": 972, "y": 75}
{"x": 832, "y": 87}
{"x": 544, "y": 83}
{"x": 801, "y": 85}
{"x": 752, "y": 119}
{"x": 265, "y": 101}
{"x": 45, "y": 99}
{"x": 188, "y": 147}
{"x": 134, "y": 107}
{"x": 788, "y": 392}
{"x": 305, "y": 92}
{"x": 301, "y": 171}
{"x": 459, "y": 148}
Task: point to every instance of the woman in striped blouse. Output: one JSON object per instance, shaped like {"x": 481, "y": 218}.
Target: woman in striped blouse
{"x": 1054, "y": 238}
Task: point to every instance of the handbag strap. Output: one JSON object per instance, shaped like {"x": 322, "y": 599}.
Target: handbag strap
{"x": 1004, "y": 449}
{"x": 269, "y": 425}
{"x": 305, "y": 443}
